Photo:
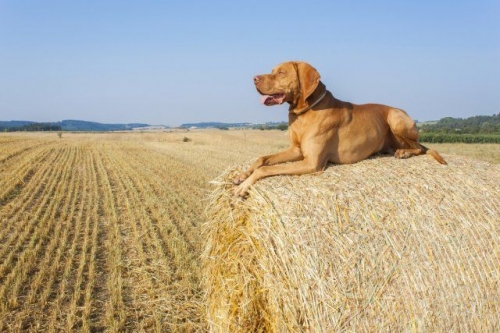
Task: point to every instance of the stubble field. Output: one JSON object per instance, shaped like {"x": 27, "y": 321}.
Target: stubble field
{"x": 101, "y": 232}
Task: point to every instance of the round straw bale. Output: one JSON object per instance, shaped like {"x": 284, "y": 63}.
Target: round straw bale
{"x": 380, "y": 245}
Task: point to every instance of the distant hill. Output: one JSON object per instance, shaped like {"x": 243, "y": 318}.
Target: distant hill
{"x": 214, "y": 125}
{"x": 80, "y": 125}
{"x": 67, "y": 125}
{"x": 14, "y": 123}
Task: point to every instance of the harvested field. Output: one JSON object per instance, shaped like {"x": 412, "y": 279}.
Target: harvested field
{"x": 93, "y": 238}
{"x": 487, "y": 152}
{"x": 381, "y": 245}
{"x": 102, "y": 231}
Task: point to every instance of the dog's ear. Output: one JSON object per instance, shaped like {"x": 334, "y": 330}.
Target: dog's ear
{"x": 308, "y": 77}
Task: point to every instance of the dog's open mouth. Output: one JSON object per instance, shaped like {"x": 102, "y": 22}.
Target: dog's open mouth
{"x": 273, "y": 99}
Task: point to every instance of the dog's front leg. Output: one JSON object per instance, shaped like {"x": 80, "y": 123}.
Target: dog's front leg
{"x": 291, "y": 154}
{"x": 296, "y": 168}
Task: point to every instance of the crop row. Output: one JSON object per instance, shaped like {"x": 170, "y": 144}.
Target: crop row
{"x": 90, "y": 242}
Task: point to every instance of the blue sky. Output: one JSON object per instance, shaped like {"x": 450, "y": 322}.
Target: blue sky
{"x": 172, "y": 62}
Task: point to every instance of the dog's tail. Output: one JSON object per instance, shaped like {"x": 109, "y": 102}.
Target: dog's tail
{"x": 434, "y": 154}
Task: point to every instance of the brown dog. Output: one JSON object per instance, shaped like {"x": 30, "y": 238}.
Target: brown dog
{"x": 324, "y": 129}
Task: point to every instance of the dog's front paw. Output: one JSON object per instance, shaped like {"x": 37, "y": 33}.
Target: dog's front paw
{"x": 240, "y": 178}
{"x": 242, "y": 189}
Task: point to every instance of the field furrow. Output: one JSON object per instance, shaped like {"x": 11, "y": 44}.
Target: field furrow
{"x": 158, "y": 258}
{"x": 175, "y": 216}
{"x": 18, "y": 172}
{"x": 97, "y": 292}
{"x": 43, "y": 237}
{"x": 82, "y": 304}
{"x": 138, "y": 247}
{"x": 177, "y": 190}
{"x": 15, "y": 147}
{"x": 66, "y": 278}
{"x": 58, "y": 252}
{"x": 111, "y": 259}
{"x": 24, "y": 216}
{"x": 28, "y": 195}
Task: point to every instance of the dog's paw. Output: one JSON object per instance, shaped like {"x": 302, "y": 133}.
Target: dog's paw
{"x": 402, "y": 153}
{"x": 242, "y": 189}
{"x": 240, "y": 178}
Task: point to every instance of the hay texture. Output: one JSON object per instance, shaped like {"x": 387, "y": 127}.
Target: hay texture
{"x": 381, "y": 245}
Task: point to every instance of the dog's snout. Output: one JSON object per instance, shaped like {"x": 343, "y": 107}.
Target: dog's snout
{"x": 256, "y": 79}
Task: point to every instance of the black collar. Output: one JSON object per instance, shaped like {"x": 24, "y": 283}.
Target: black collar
{"x": 311, "y": 106}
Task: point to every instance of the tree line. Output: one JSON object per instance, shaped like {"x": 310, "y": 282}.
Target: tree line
{"x": 34, "y": 127}
{"x": 458, "y": 138}
{"x": 471, "y": 125}
{"x": 477, "y": 129}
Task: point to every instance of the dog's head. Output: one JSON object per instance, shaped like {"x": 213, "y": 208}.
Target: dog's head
{"x": 293, "y": 82}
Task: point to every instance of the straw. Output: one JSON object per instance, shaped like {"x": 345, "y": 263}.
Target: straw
{"x": 381, "y": 245}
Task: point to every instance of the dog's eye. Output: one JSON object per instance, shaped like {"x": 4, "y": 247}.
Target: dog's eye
{"x": 281, "y": 73}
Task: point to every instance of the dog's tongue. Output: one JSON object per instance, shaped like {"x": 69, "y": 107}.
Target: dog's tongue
{"x": 272, "y": 99}
{"x": 266, "y": 99}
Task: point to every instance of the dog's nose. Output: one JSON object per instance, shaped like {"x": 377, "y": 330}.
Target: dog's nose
{"x": 256, "y": 79}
